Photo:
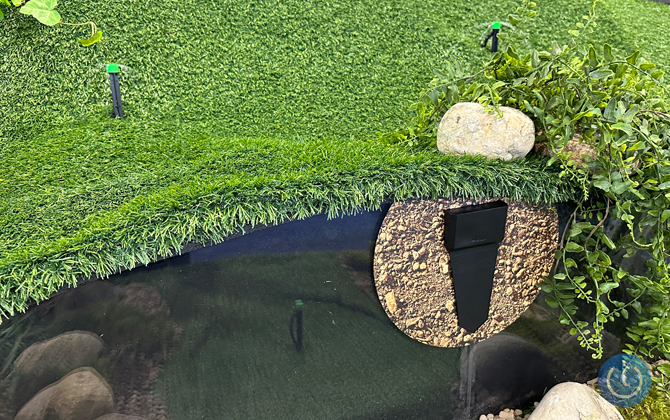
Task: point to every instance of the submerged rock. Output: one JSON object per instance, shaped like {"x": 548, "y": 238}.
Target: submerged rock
{"x": 48, "y": 361}
{"x": 467, "y": 128}
{"x": 116, "y": 416}
{"x": 573, "y": 401}
{"x": 506, "y": 371}
{"x": 81, "y": 395}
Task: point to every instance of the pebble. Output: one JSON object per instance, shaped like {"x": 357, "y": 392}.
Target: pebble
{"x": 518, "y": 412}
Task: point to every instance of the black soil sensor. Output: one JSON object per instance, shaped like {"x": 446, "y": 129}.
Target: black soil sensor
{"x": 113, "y": 70}
{"x": 472, "y": 235}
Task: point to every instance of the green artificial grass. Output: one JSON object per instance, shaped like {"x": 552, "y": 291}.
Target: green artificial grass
{"x": 280, "y": 68}
{"x": 238, "y": 112}
{"x": 69, "y": 211}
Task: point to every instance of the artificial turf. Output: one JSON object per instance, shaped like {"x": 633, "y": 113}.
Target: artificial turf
{"x": 238, "y": 112}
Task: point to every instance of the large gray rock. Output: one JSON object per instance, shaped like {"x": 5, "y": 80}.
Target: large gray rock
{"x": 116, "y": 416}
{"x": 47, "y": 361}
{"x": 467, "y": 128}
{"x": 81, "y": 395}
{"x": 573, "y": 401}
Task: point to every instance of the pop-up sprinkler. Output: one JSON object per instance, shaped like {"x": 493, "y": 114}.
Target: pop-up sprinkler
{"x": 493, "y": 36}
{"x": 113, "y": 70}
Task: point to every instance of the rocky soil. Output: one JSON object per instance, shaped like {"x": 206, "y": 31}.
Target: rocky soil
{"x": 412, "y": 273}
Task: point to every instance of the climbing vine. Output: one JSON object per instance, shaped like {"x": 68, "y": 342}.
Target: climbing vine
{"x": 44, "y": 11}
{"x": 618, "y": 108}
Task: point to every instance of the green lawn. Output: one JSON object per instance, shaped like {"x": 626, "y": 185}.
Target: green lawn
{"x": 238, "y": 112}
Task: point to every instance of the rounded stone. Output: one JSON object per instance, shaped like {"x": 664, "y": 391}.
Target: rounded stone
{"x": 47, "y": 361}
{"x": 81, "y": 395}
{"x": 573, "y": 401}
{"x": 468, "y": 128}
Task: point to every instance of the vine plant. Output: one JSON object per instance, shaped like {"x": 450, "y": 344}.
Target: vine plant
{"x": 621, "y": 109}
{"x": 43, "y": 11}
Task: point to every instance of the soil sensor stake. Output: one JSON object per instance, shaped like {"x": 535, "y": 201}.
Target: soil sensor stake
{"x": 495, "y": 28}
{"x": 113, "y": 70}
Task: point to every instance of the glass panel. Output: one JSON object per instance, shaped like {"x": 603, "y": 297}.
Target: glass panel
{"x": 215, "y": 334}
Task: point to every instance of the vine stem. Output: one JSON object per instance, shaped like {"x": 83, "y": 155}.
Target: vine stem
{"x": 93, "y": 27}
{"x": 602, "y": 222}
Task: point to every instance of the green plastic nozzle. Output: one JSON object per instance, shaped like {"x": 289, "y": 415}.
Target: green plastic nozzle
{"x": 112, "y": 68}
{"x": 496, "y": 25}
{"x": 298, "y": 304}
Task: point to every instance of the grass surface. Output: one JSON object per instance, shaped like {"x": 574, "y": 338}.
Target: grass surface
{"x": 238, "y": 112}
{"x": 280, "y": 68}
{"x": 63, "y": 221}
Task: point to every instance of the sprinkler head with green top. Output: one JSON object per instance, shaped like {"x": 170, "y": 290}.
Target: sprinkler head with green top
{"x": 493, "y": 36}
{"x": 113, "y": 70}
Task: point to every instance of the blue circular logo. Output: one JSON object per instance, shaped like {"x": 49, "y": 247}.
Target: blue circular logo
{"x": 624, "y": 380}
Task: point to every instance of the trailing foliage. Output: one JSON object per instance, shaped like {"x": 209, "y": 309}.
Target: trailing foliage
{"x": 620, "y": 108}
{"x": 44, "y": 11}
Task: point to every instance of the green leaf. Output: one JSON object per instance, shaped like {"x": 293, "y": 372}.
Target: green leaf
{"x": 610, "y": 109}
{"x": 626, "y": 128}
{"x": 601, "y": 73}
{"x": 606, "y": 287}
{"x": 593, "y": 60}
{"x": 98, "y": 36}
{"x": 608, "y": 242}
{"x": 664, "y": 369}
{"x": 2, "y": 16}
{"x": 535, "y": 59}
{"x": 573, "y": 247}
{"x": 665, "y": 215}
{"x": 5, "y": 2}
{"x": 632, "y": 59}
{"x": 608, "y": 53}
{"x": 603, "y": 184}
{"x": 555, "y": 100}
{"x": 551, "y": 301}
{"x": 620, "y": 187}
{"x": 42, "y": 10}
